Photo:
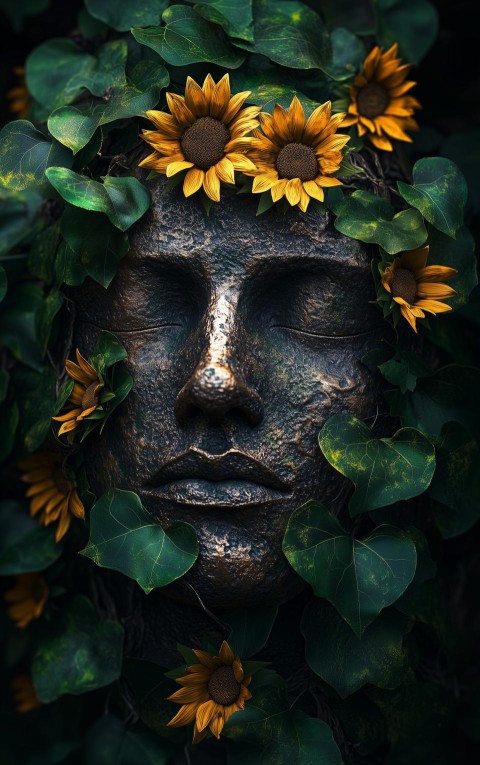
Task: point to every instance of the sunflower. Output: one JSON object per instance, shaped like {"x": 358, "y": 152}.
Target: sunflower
{"x": 212, "y": 691}
{"x": 52, "y": 491}
{"x": 85, "y": 393}
{"x": 379, "y": 104}
{"x": 205, "y": 133}
{"x": 19, "y": 96}
{"x": 24, "y": 694}
{"x": 416, "y": 287}
{"x": 295, "y": 157}
{"x": 27, "y": 598}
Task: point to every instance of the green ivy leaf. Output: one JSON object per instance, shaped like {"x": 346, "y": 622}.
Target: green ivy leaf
{"x": 81, "y": 653}
{"x": 123, "y": 200}
{"x": 20, "y": 309}
{"x": 25, "y": 154}
{"x": 357, "y": 17}
{"x": 58, "y": 70}
{"x": 371, "y": 219}
{"x": 347, "y": 663}
{"x": 384, "y": 470}
{"x": 74, "y": 126}
{"x": 411, "y": 23}
{"x": 108, "y": 350}
{"x": 250, "y": 627}
{"x": 18, "y": 217}
{"x": 360, "y": 577}
{"x": 266, "y": 732}
{"x": 35, "y": 392}
{"x": 124, "y": 537}
{"x": 291, "y": 34}
{"x": 404, "y": 369}
{"x": 450, "y": 394}
{"x": 269, "y": 88}
{"x": 16, "y": 12}
{"x": 455, "y": 487}
{"x": 439, "y": 191}
{"x": 187, "y": 38}
{"x": 98, "y": 245}
{"x": 122, "y": 16}
{"x": 110, "y": 741}
{"x": 234, "y": 16}
{"x": 24, "y": 545}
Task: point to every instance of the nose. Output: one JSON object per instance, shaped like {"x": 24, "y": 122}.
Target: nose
{"x": 217, "y": 386}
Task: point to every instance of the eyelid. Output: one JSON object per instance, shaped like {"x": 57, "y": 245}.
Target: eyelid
{"x": 321, "y": 336}
{"x": 128, "y": 331}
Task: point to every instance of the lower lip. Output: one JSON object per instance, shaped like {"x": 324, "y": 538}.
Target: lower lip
{"x": 229, "y": 493}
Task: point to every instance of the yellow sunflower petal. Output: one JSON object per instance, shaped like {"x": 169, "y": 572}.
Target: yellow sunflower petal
{"x": 193, "y": 181}
{"x": 235, "y": 104}
{"x": 184, "y": 716}
{"x": 180, "y": 110}
{"x": 40, "y": 487}
{"x": 188, "y": 695}
{"x": 195, "y": 98}
{"x": 413, "y": 259}
{"x": 296, "y": 120}
{"x": 240, "y": 162}
{"x": 211, "y": 184}
{"x": 177, "y": 167}
{"x": 225, "y": 170}
{"x": 76, "y": 505}
{"x": 86, "y": 366}
{"x": 371, "y": 62}
{"x": 278, "y": 189}
{"x": 313, "y": 190}
{"x": 432, "y": 306}
{"x": 433, "y": 273}
{"x": 226, "y": 654}
{"x": 263, "y": 183}
{"x": 216, "y": 725}
{"x": 434, "y": 290}
{"x": 393, "y": 128}
{"x": 166, "y": 124}
{"x": 206, "y": 713}
{"x": 67, "y": 427}
{"x": 317, "y": 122}
{"x": 220, "y": 97}
{"x": 293, "y": 191}
{"x": 381, "y": 143}
{"x": 76, "y": 373}
{"x": 409, "y": 316}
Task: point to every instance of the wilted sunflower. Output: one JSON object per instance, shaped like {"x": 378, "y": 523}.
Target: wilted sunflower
{"x": 295, "y": 157}
{"x": 205, "y": 133}
{"x": 27, "y": 598}
{"x": 212, "y": 691}
{"x": 85, "y": 393}
{"x": 24, "y": 694}
{"x": 52, "y": 491}
{"x": 379, "y": 104}
{"x": 19, "y": 96}
{"x": 416, "y": 287}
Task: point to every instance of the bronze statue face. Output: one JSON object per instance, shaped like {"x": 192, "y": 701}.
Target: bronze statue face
{"x": 243, "y": 335}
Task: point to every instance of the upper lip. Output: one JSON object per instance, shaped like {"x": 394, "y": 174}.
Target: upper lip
{"x": 232, "y": 465}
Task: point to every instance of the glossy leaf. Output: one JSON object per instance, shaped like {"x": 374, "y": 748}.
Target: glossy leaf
{"x": 450, "y": 394}
{"x": 108, "y": 350}
{"x": 18, "y": 318}
{"x": 346, "y": 663}
{"x": 122, "y": 16}
{"x": 25, "y": 154}
{"x": 268, "y": 88}
{"x": 187, "y": 38}
{"x": 384, "y": 470}
{"x": 360, "y": 577}
{"x": 123, "y": 200}
{"x": 357, "y": 17}
{"x": 74, "y": 126}
{"x": 18, "y": 217}
{"x": 97, "y": 243}
{"x": 439, "y": 191}
{"x": 250, "y": 629}
{"x": 58, "y": 70}
{"x": 411, "y": 23}
{"x": 371, "y": 219}
{"x": 291, "y": 34}
{"x": 234, "y": 16}
{"x": 404, "y": 369}
{"x": 455, "y": 487}
{"x": 266, "y": 732}
{"x": 24, "y": 545}
{"x": 80, "y": 653}
{"x": 110, "y": 741}
{"x": 124, "y": 537}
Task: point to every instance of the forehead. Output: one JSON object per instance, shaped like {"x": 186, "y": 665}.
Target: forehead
{"x": 232, "y": 239}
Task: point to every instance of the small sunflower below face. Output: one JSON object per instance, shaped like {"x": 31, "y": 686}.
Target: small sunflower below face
{"x": 205, "y": 134}
{"x": 295, "y": 157}
{"x": 24, "y": 694}
{"x": 416, "y": 287}
{"x": 379, "y": 104}
{"x": 52, "y": 492}
{"x": 85, "y": 396}
{"x": 212, "y": 691}
{"x": 26, "y": 598}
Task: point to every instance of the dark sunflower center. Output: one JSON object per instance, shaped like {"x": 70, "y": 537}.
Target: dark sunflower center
{"x": 223, "y": 686}
{"x": 90, "y": 397}
{"x": 61, "y": 482}
{"x": 296, "y": 160}
{"x": 204, "y": 141}
{"x": 372, "y": 100}
{"x": 404, "y": 285}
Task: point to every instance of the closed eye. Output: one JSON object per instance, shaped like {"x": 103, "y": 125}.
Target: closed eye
{"x": 326, "y": 337}
{"x": 128, "y": 331}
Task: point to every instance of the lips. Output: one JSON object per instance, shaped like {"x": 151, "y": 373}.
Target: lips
{"x": 216, "y": 480}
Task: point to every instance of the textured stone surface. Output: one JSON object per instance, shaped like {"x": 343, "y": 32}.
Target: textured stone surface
{"x": 243, "y": 335}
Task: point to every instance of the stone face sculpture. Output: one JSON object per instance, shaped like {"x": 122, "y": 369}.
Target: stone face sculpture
{"x": 243, "y": 335}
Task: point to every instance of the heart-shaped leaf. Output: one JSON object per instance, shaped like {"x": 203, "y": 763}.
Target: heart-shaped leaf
{"x": 25, "y": 546}
{"x": 124, "y": 537}
{"x": 234, "y": 16}
{"x": 371, "y": 219}
{"x": 439, "y": 191}
{"x": 360, "y": 577}
{"x": 123, "y": 16}
{"x": 384, "y": 470}
{"x": 80, "y": 653}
